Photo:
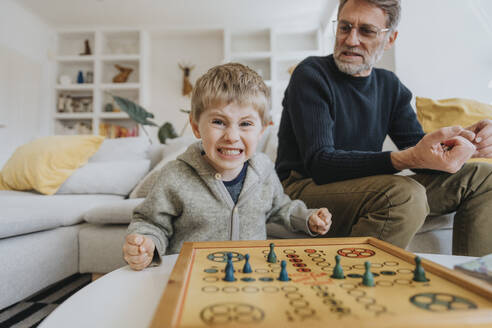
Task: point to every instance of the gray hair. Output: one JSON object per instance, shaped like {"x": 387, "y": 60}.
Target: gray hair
{"x": 392, "y": 9}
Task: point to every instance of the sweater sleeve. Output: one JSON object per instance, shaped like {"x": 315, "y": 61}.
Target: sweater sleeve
{"x": 292, "y": 215}
{"x": 308, "y": 103}
{"x": 153, "y": 218}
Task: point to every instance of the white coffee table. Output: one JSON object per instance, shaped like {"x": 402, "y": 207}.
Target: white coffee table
{"x": 125, "y": 298}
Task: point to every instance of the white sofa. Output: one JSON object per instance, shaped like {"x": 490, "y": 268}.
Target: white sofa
{"x": 44, "y": 239}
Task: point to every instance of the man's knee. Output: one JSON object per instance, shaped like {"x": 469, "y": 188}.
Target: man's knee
{"x": 404, "y": 191}
{"x": 407, "y": 201}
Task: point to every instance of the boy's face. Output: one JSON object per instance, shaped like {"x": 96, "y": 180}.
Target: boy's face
{"x": 229, "y": 135}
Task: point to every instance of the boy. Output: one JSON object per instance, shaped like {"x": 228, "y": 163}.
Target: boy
{"x": 219, "y": 188}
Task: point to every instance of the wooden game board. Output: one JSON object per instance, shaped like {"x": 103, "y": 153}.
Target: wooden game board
{"x": 197, "y": 295}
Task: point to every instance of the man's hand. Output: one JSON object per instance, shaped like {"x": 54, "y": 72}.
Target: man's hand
{"x": 320, "y": 221}
{"x": 138, "y": 251}
{"x": 446, "y": 149}
{"x": 483, "y": 138}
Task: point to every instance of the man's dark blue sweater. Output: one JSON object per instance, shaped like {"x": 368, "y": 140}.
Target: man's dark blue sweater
{"x": 333, "y": 124}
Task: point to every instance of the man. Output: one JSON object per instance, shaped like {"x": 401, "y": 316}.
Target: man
{"x": 337, "y": 112}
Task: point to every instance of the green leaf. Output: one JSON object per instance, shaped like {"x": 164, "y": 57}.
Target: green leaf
{"x": 166, "y": 131}
{"x": 136, "y": 112}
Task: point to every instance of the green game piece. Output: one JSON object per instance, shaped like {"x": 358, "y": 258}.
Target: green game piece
{"x": 272, "y": 258}
{"x": 337, "y": 270}
{"x": 419, "y": 272}
{"x": 368, "y": 278}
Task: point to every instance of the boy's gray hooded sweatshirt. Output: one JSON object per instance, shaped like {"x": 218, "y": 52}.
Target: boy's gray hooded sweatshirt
{"x": 189, "y": 202}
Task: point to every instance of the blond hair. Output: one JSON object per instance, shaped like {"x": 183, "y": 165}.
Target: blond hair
{"x": 230, "y": 83}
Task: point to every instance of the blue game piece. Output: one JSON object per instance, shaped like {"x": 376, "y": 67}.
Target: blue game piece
{"x": 229, "y": 271}
{"x": 229, "y": 260}
{"x": 283, "y": 272}
{"x": 272, "y": 258}
{"x": 247, "y": 267}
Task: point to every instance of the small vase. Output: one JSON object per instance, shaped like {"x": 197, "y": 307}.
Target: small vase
{"x": 80, "y": 77}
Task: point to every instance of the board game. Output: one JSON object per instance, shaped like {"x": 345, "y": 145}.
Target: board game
{"x": 322, "y": 282}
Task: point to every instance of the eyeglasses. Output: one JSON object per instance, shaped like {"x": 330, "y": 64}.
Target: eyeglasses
{"x": 366, "y": 32}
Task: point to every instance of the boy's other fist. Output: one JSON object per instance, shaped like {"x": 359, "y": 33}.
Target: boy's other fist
{"x": 320, "y": 221}
{"x": 138, "y": 251}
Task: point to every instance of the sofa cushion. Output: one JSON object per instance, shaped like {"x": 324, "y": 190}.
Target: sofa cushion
{"x": 117, "y": 177}
{"x": 122, "y": 149}
{"x": 170, "y": 151}
{"x": 45, "y": 163}
{"x": 25, "y": 212}
{"x": 114, "y": 212}
{"x": 436, "y": 114}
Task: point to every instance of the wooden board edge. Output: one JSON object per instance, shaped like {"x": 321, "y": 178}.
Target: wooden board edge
{"x": 473, "y": 284}
{"x": 166, "y": 314}
{"x": 281, "y": 242}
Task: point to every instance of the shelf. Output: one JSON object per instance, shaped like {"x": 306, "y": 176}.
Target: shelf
{"x": 80, "y": 107}
{"x": 288, "y": 41}
{"x": 271, "y": 52}
{"x": 250, "y": 41}
{"x": 120, "y": 86}
{"x": 72, "y": 43}
{"x": 120, "y": 42}
{"x": 75, "y": 59}
{"x": 73, "y": 116}
{"x": 116, "y": 115}
{"x": 114, "y": 58}
{"x": 75, "y": 87}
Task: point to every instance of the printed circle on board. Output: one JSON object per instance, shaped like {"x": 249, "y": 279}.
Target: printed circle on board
{"x": 222, "y": 256}
{"x": 440, "y": 302}
{"x": 356, "y": 252}
{"x": 223, "y": 313}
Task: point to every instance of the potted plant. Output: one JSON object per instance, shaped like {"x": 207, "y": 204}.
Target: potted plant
{"x": 141, "y": 116}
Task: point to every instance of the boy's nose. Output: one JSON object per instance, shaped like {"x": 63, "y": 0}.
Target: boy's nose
{"x": 231, "y": 134}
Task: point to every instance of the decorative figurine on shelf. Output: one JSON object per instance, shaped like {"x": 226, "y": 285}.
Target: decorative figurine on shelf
{"x": 108, "y": 107}
{"x": 60, "y": 107}
{"x": 68, "y": 104}
{"x": 80, "y": 77}
{"x": 187, "y": 86}
{"x": 122, "y": 76}
{"x": 89, "y": 77}
{"x": 87, "y": 49}
{"x": 65, "y": 80}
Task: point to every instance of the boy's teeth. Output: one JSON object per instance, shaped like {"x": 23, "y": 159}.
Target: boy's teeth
{"x": 230, "y": 151}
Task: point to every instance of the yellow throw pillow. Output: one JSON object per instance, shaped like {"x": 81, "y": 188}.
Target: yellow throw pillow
{"x": 436, "y": 114}
{"x": 3, "y": 185}
{"x": 45, "y": 163}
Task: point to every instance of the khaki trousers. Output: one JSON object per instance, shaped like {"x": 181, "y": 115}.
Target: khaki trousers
{"x": 394, "y": 207}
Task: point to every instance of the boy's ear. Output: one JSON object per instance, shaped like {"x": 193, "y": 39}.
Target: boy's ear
{"x": 194, "y": 127}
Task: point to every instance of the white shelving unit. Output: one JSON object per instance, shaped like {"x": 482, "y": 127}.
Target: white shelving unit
{"x": 90, "y": 100}
{"x": 271, "y": 52}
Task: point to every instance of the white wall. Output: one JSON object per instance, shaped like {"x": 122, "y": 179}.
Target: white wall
{"x": 25, "y": 77}
{"x": 203, "y": 50}
{"x": 444, "y": 48}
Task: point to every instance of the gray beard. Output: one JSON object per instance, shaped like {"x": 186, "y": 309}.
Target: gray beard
{"x": 354, "y": 69}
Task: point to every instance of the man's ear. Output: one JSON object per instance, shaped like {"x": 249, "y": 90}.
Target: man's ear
{"x": 194, "y": 127}
{"x": 391, "y": 40}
